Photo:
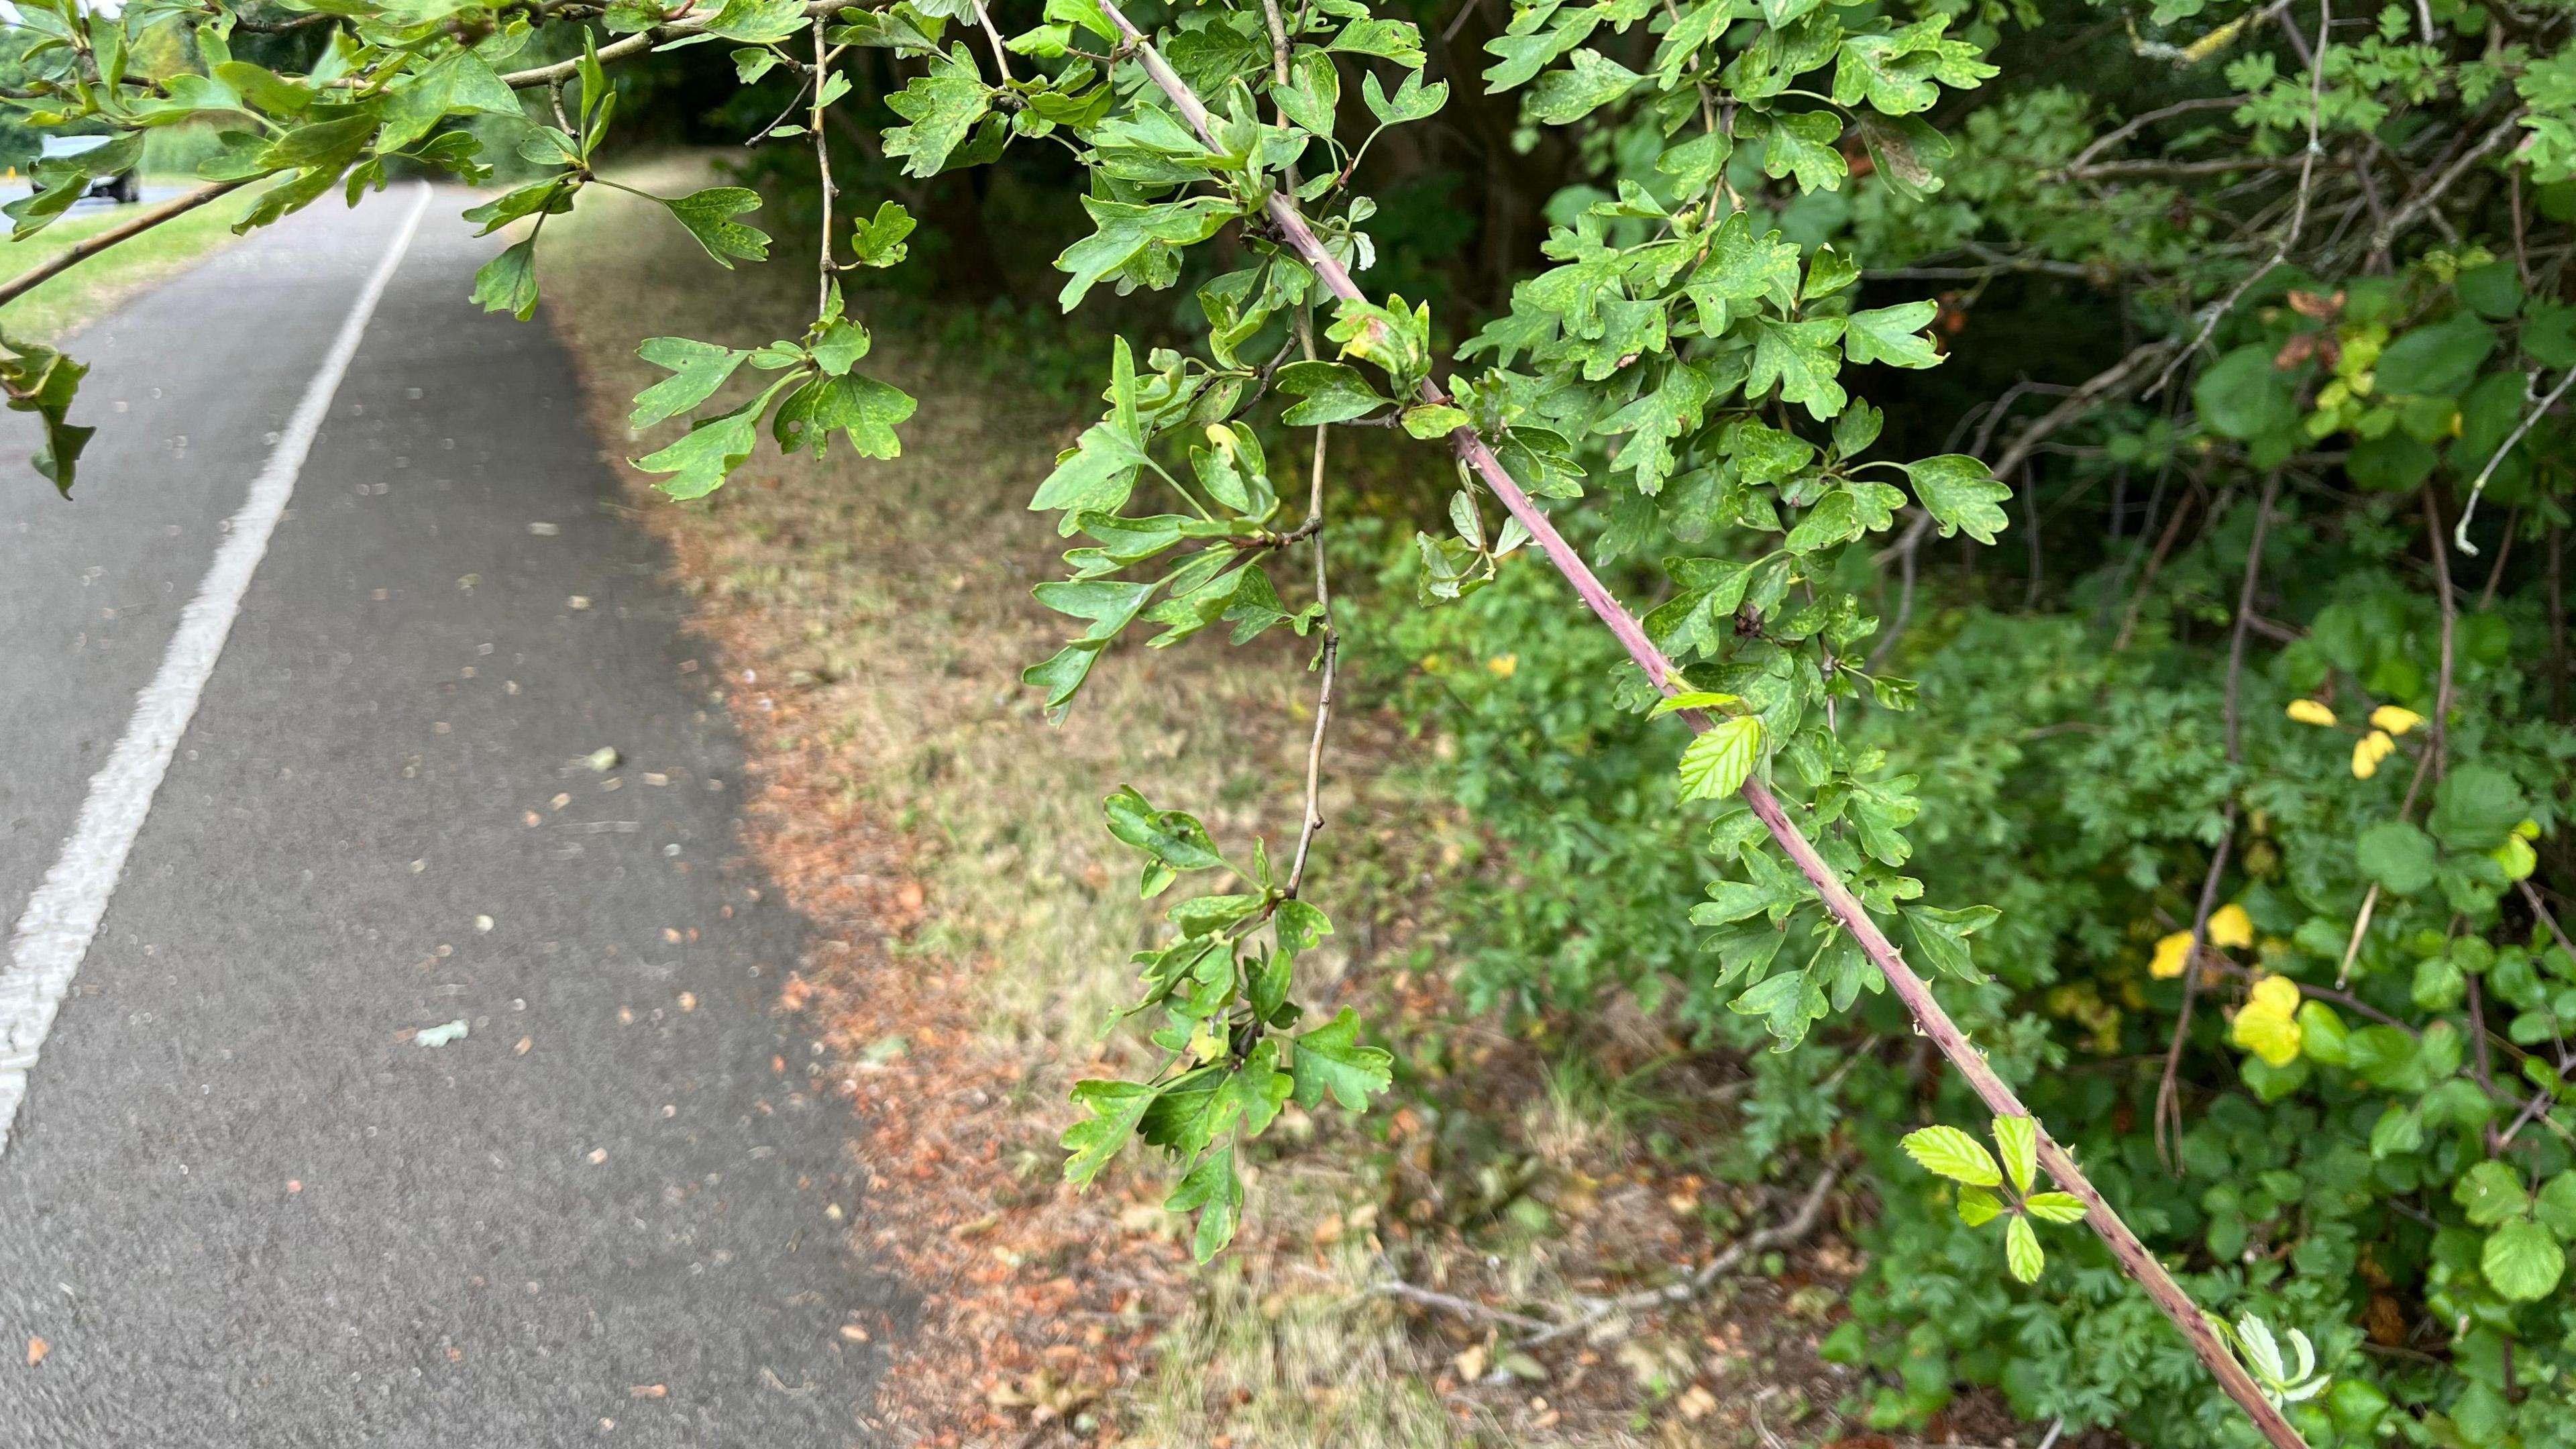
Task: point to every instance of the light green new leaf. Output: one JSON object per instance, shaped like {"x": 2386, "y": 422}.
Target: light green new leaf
{"x": 1330, "y": 1061}
{"x": 2021, "y": 1250}
{"x": 1429, "y": 420}
{"x": 1396, "y": 40}
{"x": 1834, "y": 519}
{"x": 1978, "y": 1207}
{"x": 1115, "y": 1109}
{"x": 508, "y": 282}
{"x": 709, "y": 217}
{"x": 2018, "y": 1137}
{"x": 1692, "y": 699}
{"x": 1893, "y": 335}
{"x": 2522, "y": 1261}
{"x": 1960, "y": 494}
{"x": 1719, "y": 762}
{"x": 2055, "y": 1207}
{"x": 1954, "y": 1155}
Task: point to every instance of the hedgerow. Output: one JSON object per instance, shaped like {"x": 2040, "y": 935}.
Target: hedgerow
{"x": 2226, "y": 862}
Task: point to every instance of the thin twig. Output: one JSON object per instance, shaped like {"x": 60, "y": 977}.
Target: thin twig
{"x": 2217, "y": 312}
{"x": 2370, "y": 898}
{"x": 2477, "y": 490}
{"x": 2147, "y": 579}
{"x": 2168, "y": 1114}
{"x": 2505, "y": 130}
{"x": 823, "y": 169}
{"x": 90, "y": 246}
{"x": 1001, "y": 57}
{"x": 1797, "y": 1225}
{"x": 2137, "y": 123}
{"x": 2440, "y": 742}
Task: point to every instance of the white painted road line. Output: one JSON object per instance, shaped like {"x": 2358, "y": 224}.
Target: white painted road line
{"x": 63, "y": 914}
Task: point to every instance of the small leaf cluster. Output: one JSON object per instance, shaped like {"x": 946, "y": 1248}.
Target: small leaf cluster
{"x": 1953, "y": 1154}
{"x": 1232, "y": 1054}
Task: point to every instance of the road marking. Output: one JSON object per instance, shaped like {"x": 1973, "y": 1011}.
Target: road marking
{"x": 62, "y": 916}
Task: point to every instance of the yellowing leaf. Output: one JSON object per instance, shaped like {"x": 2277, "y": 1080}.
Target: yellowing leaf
{"x": 2267, "y": 1025}
{"x": 2308, "y": 711}
{"x": 2395, "y": 720}
{"x": 2516, "y": 856}
{"x": 2173, "y": 953}
{"x": 2277, "y": 993}
{"x": 2230, "y": 926}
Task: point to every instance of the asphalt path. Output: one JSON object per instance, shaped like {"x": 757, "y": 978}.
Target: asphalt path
{"x": 243, "y": 1202}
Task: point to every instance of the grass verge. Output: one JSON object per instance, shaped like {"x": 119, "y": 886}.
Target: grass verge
{"x": 976, "y": 922}
{"x": 59, "y": 304}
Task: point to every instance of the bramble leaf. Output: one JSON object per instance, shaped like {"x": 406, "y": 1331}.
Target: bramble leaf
{"x": 1953, "y": 1154}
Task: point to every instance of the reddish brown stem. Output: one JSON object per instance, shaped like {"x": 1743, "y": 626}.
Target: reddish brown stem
{"x": 82, "y": 250}
{"x": 1930, "y": 1018}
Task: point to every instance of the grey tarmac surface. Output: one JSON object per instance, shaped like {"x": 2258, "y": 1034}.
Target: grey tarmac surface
{"x": 241, "y": 1205}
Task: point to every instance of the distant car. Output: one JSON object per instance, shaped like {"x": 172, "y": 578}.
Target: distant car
{"x": 121, "y": 186}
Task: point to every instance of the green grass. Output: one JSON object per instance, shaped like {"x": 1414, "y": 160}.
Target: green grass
{"x": 91, "y": 288}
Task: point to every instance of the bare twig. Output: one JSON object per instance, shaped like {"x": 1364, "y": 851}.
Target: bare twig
{"x": 2217, "y": 311}
{"x": 2416, "y": 205}
{"x": 1797, "y": 1225}
{"x": 1001, "y": 57}
{"x": 1590, "y": 1311}
{"x": 2147, "y": 579}
{"x": 2140, "y": 122}
{"x": 1930, "y": 1016}
{"x": 2370, "y": 898}
{"x": 2440, "y": 741}
{"x": 2168, "y": 1114}
{"x": 2477, "y": 490}
{"x": 823, "y": 169}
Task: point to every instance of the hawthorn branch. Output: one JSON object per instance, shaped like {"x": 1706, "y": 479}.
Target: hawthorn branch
{"x": 1929, "y": 1015}
{"x": 90, "y": 246}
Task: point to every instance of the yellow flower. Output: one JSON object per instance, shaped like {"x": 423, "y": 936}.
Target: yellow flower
{"x": 2308, "y": 711}
{"x": 2395, "y": 720}
{"x": 2230, "y": 926}
{"x": 2368, "y": 751}
{"x": 2268, "y": 1024}
{"x": 1504, "y": 665}
{"x": 2172, "y": 953}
